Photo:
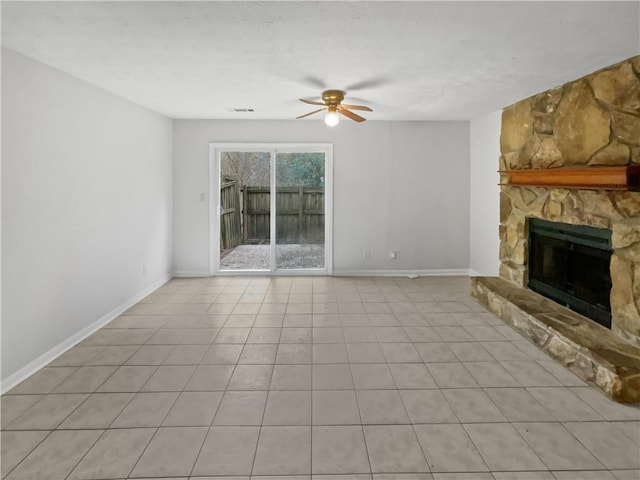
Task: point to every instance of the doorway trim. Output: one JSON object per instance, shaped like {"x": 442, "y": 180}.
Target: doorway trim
{"x": 214, "y": 205}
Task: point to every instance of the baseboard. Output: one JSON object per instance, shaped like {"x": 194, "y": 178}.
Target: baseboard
{"x": 190, "y": 273}
{"x": 447, "y": 272}
{"x": 47, "y": 357}
{"x": 402, "y": 273}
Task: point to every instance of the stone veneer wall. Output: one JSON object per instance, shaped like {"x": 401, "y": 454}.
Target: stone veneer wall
{"x": 593, "y": 121}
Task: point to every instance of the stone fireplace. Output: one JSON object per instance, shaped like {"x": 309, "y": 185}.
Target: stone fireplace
{"x": 617, "y": 211}
{"x": 592, "y": 121}
{"x": 589, "y": 123}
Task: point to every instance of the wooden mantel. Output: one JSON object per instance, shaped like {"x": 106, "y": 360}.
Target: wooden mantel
{"x": 590, "y": 178}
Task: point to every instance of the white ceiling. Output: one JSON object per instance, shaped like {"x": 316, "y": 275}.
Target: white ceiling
{"x": 407, "y": 60}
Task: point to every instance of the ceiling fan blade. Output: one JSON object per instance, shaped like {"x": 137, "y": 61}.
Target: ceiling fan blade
{"x": 351, "y": 115}
{"x": 314, "y": 82}
{"x": 356, "y": 107}
{"x": 311, "y": 113}
{"x": 366, "y": 84}
{"x": 312, "y": 102}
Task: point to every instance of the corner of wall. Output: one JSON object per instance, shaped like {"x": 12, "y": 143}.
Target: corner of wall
{"x": 484, "y": 214}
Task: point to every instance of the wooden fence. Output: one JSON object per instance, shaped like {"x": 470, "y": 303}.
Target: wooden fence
{"x": 300, "y": 217}
{"x": 230, "y": 215}
{"x": 300, "y": 214}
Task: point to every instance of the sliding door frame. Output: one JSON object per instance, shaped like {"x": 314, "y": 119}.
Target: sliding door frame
{"x": 215, "y": 149}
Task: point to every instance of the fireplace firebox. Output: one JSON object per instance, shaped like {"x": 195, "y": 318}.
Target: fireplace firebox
{"x": 570, "y": 265}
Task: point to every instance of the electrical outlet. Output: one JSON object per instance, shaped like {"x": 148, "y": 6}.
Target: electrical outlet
{"x": 392, "y": 255}
{"x": 366, "y": 254}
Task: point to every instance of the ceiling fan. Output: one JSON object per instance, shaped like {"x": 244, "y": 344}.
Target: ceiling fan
{"x": 333, "y": 104}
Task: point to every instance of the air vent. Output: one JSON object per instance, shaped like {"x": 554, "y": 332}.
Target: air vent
{"x": 241, "y": 110}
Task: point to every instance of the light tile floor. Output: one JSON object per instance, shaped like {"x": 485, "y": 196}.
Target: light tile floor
{"x": 323, "y": 378}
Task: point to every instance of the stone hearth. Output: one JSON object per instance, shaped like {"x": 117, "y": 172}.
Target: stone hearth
{"x": 591, "y": 351}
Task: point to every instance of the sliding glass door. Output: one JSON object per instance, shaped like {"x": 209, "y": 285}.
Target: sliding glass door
{"x": 244, "y": 206}
{"x": 300, "y": 216}
{"x": 273, "y": 211}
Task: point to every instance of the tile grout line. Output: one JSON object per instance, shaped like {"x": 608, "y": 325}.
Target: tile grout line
{"x": 562, "y": 423}
{"x": 311, "y": 393}
{"x": 195, "y": 462}
{"x": 415, "y": 434}
{"x": 364, "y": 437}
{"x": 517, "y": 433}
{"x": 157, "y": 429}
{"x": 264, "y": 410}
{"x": 6, "y": 475}
{"x": 484, "y": 461}
{"x": 85, "y": 453}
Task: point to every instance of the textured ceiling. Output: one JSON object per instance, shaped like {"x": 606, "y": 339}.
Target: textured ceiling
{"x": 407, "y": 60}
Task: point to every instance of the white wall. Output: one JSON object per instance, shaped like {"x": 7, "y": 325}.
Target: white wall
{"x": 86, "y": 205}
{"x": 484, "y": 240}
{"x": 400, "y": 186}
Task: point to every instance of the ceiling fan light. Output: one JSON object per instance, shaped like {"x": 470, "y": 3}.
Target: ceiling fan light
{"x": 331, "y": 119}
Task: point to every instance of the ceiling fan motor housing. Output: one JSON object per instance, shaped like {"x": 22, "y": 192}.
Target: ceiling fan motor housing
{"x": 333, "y": 98}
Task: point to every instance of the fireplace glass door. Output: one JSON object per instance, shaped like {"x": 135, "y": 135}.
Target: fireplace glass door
{"x": 570, "y": 264}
